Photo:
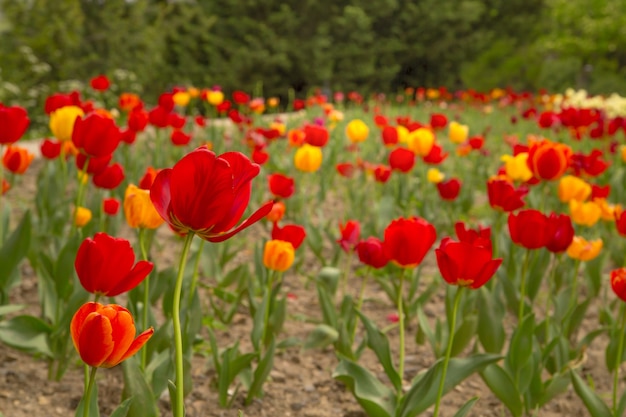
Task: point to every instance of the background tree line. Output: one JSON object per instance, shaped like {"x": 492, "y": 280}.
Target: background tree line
{"x": 369, "y": 45}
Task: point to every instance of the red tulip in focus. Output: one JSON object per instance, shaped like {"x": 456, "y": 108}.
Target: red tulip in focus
{"x": 530, "y": 228}
{"x": 111, "y": 206}
{"x": 449, "y": 189}
{"x": 281, "y": 185}
{"x": 561, "y": 231}
{"x": 100, "y": 83}
{"x": 408, "y": 240}
{"x": 13, "y": 123}
{"x": 401, "y": 159}
{"x": 106, "y": 265}
{"x": 291, "y": 233}
{"x": 618, "y": 282}
{"x": 96, "y": 135}
{"x": 350, "y": 234}
{"x": 16, "y": 159}
{"x": 104, "y": 335}
{"x": 207, "y": 194}
{"x": 371, "y": 252}
{"x": 504, "y": 196}
{"x": 466, "y": 264}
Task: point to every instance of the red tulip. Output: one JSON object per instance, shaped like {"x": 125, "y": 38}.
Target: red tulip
{"x": 620, "y": 222}
{"x": 599, "y": 191}
{"x": 401, "y": 159}
{"x": 100, "y": 83}
{"x": 438, "y": 121}
{"x": 466, "y": 264}
{"x": 548, "y": 160}
{"x": 17, "y": 159}
{"x": 390, "y": 135}
{"x": 449, "y": 189}
{"x": 436, "y": 155}
{"x": 281, "y": 185}
{"x": 240, "y": 97}
{"x": 371, "y": 252}
{"x": 504, "y": 196}
{"x": 13, "y": 123}
{"x": 106, "y": 265}
{"x": 561, "y": 232}
{"x": 530, "y": 229}
{"x": 137, "y": 120}
{"x": 179, "y": 138}
{"x": 50, "y": 149}
{"x": 316, "y": 135}
{"x": 207, "y": 194}
{"x": 96, "y": 135}
{"x": 345, "y": 169}
{"x": 95, "y": 165}
{"x": 58, "y": 100}
{"x": 104, "y": 335}
{"x": 159, "y": 117}
{"x": 111, "y": 206}
{"x": 408, "y": 240}
{"x": 166, "y": 102}
{"x": 382, "y": 173}
{"x": 148, "y": 178}
{"x": 350, "y": 234}
{"x": 482, "y": 234}
{"x": 291, "y": 233}
{"x": 618, "y": 282}
{"x": 109, "y": 178}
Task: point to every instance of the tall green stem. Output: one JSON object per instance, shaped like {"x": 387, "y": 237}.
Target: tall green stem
{"x": 266, "y": 314}
{"x": 196, "y": 268}
{"x": 146, "y": 295}
{"x": 520, "y": 314}
{"x": 87, "y": 398}
{"x": 179, "y": 405}
{"x": 79, "y": 194}
{"x": 2, "y": 196}
{"x": 574, "y": 297}
{"x": 359, "y": 303}
{"x": 401, "y": 324}
{"x": 446, "y": 359}
{"x": 618, "y": 359}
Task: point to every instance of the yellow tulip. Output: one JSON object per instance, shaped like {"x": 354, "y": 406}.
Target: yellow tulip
{"x": 181, "y": 98}
{"x": 357, "y": 131}
{"x": 308, "y": 158}
{"x": 573, "y": 188}
{"x": 278, "y": 255}
{"x": 62, "y": 121}
{"x": 457, "y": 132}
{"x": 215, "y": 97}
{"x": 421, "y": 141}
{"x": 82, "y": 216}
{"x": 403, "y": 134}
{"x": 623, "y": 152}
{"x": 516, "y": 167}
{"x": 139, "y": 210}
{"x": 584, "y": 213}
{"x": 279, "y": 126}
{"x": 584, "y": 250}
{"x": 435, "y": 176}
{"x": 273, "y": 102}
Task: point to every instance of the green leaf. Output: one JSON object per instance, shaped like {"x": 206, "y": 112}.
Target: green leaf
{"x": 94, "y": 410}
{"x": 11, "y": 308}
{"x": 464, "y": 334}
{"x": 375, "y": 398}
{"x": 425, "y": 328}
{"x": 423, "y": 393}
{"x": 379, "y": 343}
{"x": 521, "y": 347}
{"x": 64, "y": 267}
{"x": 261, "y": 372}
{"x": 490, "y": 322}
{"x": 555, "y": 386}
{"x": 122, "y": 409}
{"x": 137, "y": 388}
{"x": 14, "y": 249}
{"x": 28, "y": 334}
{"x": 328, "y": 306}
{"x": 467, "y": 407}
{"x": 503, "y": 387}
{"x": 321, "y": 336}
{"x": 594, "y": 404}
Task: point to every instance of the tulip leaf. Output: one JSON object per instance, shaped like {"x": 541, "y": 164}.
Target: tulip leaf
{"x": 64, "y": 267}
{"x": 553, "y": 387}
{"x": 503, "y": 387}
{"x": 577, "y": 317}
{"x": 94, "y": 410}
{"x": 379, "y": 343}
{"x": 464, "y": 334}
{"x": 375, "y": 398}
{"x": 593, "y": 403}
{"x": 536, "y": 271}
{"x": 610, "y": 355}
{"x": 321, "y": 336}
{"x": 328, "y": 307}
{"x": 467, "y": 407}
{"x": 137, "y": 388}
{"x": 521, "y": 347}
{"x": 11, "y": 308}
{"x": 122, "y": 409}
{"x": 13, "y": 250}
{"x": 261, "y": 372}
{"x": 490, "y": 318}
{"x": 423, "y": 393}
{"x": 425, "y": 328}
{"x": 28, "y": 334}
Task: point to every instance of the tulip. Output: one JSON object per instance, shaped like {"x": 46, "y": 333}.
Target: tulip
{"x": 382, "y": 173}
{"x": 457, "y": 132}
{"x": 436, "y": 155}
{"x": 561, "y": 233}
{"x": 483, "y": 234}
{"x": 350, "y": 233}
{"x": 466, "y": 264}
{"x": 421, "y": 141}
{"x": 96, "y": 136}
{"x": 308, "y": 158}
{"x": 372, "y": 253}
{"x": 129, "y": 101}
{"x": 277, "y": 212}
{"x": 449, "y": 190}
{"x": 17, "y": 159}
{"x": 50, "y": 149}
{"x": 13, "y": 123}
{"x": 618, "y": 282}
{"x": 316, "y": 135}
{"x": 278, "y": 255}
{"x": 406, "y": 241}
{"x": 111, "y": 206}
{"x": 548, "y": 160}
{"x": 138, "y": 120}
{"x": 139, "y": 210}
{"x": 389, "y": 135}
{"x": 104, "y": 335}
{"x": 110, "y": 177}
{"x": 345, "y": 169}
{"x": 106, "y": 265}
{"x": 357, "y": 131}
{"x": 148, "y": 178}
{"x": 100, "y": 83}
{"x": 62, "y": 122}
{"x": 281, "y": 185}
{"x": 438, "y": 121}
{"x": 295, "y": 137}
{"x": 181, "y": 98}
{"x": 504, "y": 196}
{"x": 215, "y": 97}
{"x": 435, "y": 176}
{"x": 207, "y": 194}
{"x": 584, "y": 250}
{"x": 516, "y": 167}
{"x": 573, "y": 188}
{"x": 291, "y": 233}
{"x": 82, "y": 216}
{"x": 530, "y": 229}
{"x": 401, "y": 159}
{"x": 585, "y": 213}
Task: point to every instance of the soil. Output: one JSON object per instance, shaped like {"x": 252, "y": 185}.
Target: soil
{"x": 300, "y": 383}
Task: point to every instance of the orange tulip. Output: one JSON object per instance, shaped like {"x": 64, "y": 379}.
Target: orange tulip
{"x": 278, "y": 255}
{"x": 548, "y": 160}
{"x": 104, "y": 335}
{"x": 17, "y": 159}
{"x": 139, "y": 210}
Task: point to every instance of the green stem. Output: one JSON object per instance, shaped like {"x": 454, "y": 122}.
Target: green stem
{"x": 266, "y": 313}
{"x": 555, "y": 265}
{"x": 359, "y": 303}
{"x": 179, "y": 409}
{"x": 346, "y": 273}
{"x": 446, "y": 359}
{"x": 574, "y": 296}
{"x": 520, "y": 314}
{"x": 618, "y": 359}
{"x": 2, "y": 195}
{"x": 146, "y": 295}
{"x": 401, "y": 325}
{"x": 196, "y": 268}
{"x": 87, "y": 399}
{"x": 79, "y": 195}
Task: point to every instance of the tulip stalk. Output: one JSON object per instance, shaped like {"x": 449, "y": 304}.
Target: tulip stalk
{"x": 446, "y": 359}
{"x": 401, "y": 326}
{"x": 574, "y": 296}
{"x": 266, "y": 314}
{"x": 618, "y": 358}
{"x": 89, "y": 382}
{"x": 146, "y": 293}
{"x": 1, "y": 196}
{"x": 79, "y": 194}
{"x": 179, "y": 405}
{"x": 520, "y": 314}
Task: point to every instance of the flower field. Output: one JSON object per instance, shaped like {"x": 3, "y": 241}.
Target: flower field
{"x": 214, "y": 254}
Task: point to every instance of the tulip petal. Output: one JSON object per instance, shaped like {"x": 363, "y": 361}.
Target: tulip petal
{"x": 137, "y": 344}
{"x": 160, "y": 193}
{"x": 486, "y": 273}
{"x": 136, "y": 275}
{"x": 95, "y": 341}
{"x": 255, "y": 217}
{"x": 79, "y": 319}
{"x": 88, "y": 262}
{"x": 123, "y": 333}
